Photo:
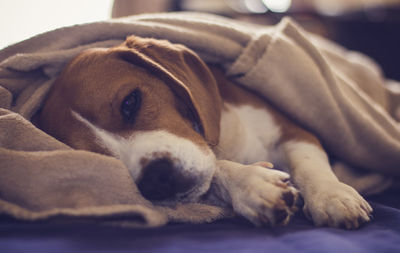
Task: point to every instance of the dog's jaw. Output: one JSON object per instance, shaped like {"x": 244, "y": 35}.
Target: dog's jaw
{"x": 143, "y": 147}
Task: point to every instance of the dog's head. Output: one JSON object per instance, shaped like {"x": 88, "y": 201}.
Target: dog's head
{"x": 152, "y": 104}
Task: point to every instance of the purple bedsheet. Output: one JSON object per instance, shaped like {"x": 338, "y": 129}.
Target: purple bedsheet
{"x": 234, "y": 235}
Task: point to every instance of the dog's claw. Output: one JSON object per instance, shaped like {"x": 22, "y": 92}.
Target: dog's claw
{"x": 264, "y": 164}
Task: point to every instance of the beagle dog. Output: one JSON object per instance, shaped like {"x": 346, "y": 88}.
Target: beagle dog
{"x": 187, "y": 133}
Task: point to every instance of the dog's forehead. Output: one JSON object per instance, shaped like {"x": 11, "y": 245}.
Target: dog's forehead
{"x": 101, "y": 71}
{"x": 97, "y": 63}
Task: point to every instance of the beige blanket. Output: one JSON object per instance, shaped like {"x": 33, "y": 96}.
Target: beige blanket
{"x": 339, "y": 95}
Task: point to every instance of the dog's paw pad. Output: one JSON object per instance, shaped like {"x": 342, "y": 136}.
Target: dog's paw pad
{"x": 289, "y": 198}
{"x": 281, "y": 216}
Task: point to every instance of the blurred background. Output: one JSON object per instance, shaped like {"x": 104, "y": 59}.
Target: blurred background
{"x": 369, "y": 26}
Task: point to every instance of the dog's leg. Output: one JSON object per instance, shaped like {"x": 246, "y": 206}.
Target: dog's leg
{"x": 258, "y": 193}
{"x": 326, "y": 200}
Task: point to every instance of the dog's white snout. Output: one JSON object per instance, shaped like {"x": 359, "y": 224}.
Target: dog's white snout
{"x": 161, "y": 157}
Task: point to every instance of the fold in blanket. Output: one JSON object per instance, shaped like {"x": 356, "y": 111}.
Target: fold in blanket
{"x": 339, "y": 95}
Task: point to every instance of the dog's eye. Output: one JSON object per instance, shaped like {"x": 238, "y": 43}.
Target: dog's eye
{"x": 197, "y": 126}
{"x": 130, "y": 105}
{"x": 195, "y": 122}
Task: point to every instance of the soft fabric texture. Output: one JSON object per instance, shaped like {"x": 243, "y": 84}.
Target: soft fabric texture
{"x": 337, "y": 94}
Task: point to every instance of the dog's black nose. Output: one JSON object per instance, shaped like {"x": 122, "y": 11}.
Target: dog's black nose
{"x": 161, "y": 180}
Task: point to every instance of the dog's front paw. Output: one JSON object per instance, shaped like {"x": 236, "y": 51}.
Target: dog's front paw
{"x": 264, "y": 196}
{"x": 337, "y": 205}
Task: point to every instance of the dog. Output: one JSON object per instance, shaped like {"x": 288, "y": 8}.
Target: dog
{"x": 187, "y": 133}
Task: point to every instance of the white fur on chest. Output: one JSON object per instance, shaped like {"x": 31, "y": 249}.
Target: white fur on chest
{"x": 248, "y": 135}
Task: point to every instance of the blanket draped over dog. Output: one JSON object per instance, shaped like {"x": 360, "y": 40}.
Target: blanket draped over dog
{"x": 339, "y": 95}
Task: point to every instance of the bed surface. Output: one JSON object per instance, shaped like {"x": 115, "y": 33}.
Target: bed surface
{"x": 230, "y": 235}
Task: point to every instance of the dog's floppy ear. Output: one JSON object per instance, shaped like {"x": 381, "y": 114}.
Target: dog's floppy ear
{"x": 186, "y": 74}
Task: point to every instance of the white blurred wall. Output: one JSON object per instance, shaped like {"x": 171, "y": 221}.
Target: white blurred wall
{"x": 22, "y": 19}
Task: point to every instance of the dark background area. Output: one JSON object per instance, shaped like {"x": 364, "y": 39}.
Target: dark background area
{"x": 369, "y": 26}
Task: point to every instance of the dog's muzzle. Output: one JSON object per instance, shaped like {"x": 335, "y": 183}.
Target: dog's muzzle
{"x": 162, "y": 180}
